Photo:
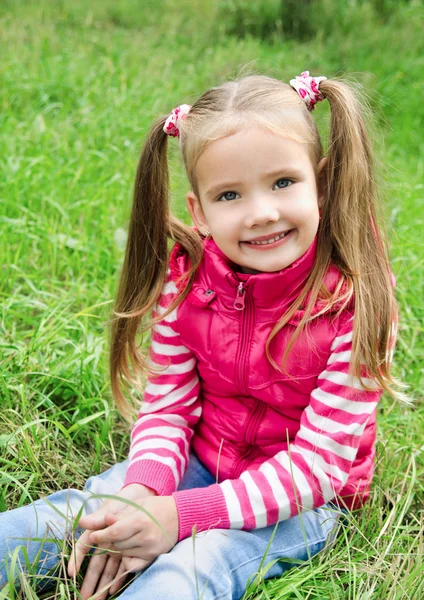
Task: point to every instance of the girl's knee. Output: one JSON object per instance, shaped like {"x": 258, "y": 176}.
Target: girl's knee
{"x": 32, "y": 541}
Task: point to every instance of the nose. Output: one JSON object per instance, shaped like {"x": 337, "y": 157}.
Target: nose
{"x": 260, "y": 212}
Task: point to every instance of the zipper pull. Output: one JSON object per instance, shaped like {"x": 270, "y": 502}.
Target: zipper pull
{"x": 239, "y": 301}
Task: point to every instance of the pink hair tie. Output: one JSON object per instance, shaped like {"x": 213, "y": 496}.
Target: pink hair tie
{"x": 307, "y": 88}
{"x": 172, "y": 123}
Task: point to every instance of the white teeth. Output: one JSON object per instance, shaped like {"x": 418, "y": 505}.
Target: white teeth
{"x": 265, "y": 242}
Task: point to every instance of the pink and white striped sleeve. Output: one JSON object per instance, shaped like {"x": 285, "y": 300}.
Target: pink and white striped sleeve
{"x": 310, "y": 473}
{"x": 161, "y": 436}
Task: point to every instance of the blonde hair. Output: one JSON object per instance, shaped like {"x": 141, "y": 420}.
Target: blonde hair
{"x": 349, "y": 234}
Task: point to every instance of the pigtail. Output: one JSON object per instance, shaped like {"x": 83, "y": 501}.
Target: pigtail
{"x": 351, "y": 237}
{"x": 145, "y": 264}
{"x": 352, "y": 226}
{"x": 349, "y": 212}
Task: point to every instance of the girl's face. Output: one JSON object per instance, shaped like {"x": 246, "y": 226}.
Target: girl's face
{"x": 254, "y": 187}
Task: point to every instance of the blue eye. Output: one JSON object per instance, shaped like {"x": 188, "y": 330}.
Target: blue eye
{"x": 227, "y": 196}
{"x": 285, "y": 183}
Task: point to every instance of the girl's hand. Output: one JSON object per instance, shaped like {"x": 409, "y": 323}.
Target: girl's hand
{"x": 103, "y": 568}
{"x": 135, "y": 533}
{"x": 134, "y": 492}
{"x": 103, "y": 571}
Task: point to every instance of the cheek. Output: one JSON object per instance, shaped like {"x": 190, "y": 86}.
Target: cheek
{"x": 307, "y": 219}
{"x": 210, "y": 218}
{"x": 307, "y": 207}
{"x": 222, "y": 220}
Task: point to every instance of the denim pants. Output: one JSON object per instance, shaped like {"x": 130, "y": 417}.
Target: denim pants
{"x": 218, "y": 564}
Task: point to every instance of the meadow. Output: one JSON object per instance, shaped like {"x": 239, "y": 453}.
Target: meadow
{"x": 79, "y": 86}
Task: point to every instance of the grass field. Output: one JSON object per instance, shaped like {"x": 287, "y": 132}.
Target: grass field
{"x": 80, "y": 83}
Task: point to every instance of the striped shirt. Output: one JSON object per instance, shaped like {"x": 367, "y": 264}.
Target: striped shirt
{"x": 309, "y": 473}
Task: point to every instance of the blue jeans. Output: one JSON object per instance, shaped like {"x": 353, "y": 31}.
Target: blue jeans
{"x": 218, "y": 565}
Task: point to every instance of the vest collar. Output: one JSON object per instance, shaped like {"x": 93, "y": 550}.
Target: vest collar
{"x": 269, "y": 291}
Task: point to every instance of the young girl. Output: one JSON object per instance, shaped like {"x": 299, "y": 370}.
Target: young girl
{"x": 273, "y": 328}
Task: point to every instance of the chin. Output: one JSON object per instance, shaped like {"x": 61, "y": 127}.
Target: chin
{"x": 262, "y": 269}
{"x": 277, "y": 266}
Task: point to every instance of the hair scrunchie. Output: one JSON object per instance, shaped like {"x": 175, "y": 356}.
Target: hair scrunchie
{"x": 307, "y": 88}
{"x": 172, "y": 123}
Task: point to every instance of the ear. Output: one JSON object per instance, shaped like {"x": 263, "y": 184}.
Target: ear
{"x": 321, "y": 179}
{"x": 196, "y": 211}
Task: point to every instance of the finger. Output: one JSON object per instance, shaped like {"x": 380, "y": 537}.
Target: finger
{"x": 97, "y": 517}
{"x": 100, "y": 518}
{"x": 81, "y": 548}
{"x": 135, "y": 564}
{"x": 93, "y": 521}
{"x": 112, "y": 518}
{"x": 94, "y": 572}
{"x": 118, "y": 532}
{"x": 109, "y": 573}
{"x": 120, "y": 578}
{"x": 136, "y": 552}
{"x": 135, "y": 541}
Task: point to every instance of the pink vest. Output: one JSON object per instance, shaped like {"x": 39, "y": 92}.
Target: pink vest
{"x": 250, "y": 409}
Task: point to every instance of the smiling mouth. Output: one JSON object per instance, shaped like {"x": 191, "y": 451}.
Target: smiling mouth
{"x": 270, "y": 240}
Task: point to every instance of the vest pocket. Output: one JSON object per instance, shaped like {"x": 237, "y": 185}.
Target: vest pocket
{"x": 201, "y": 297}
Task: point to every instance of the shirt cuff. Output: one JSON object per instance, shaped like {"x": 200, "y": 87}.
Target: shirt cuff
{"x": 204, "y": 508}
{"x": 153, "y": 474}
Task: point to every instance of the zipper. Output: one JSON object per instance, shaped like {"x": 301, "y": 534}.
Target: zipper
{"x": 239, "y": 302}
{"x": 244, "y": 304}
{"x": 255, "y": 417}
{"x": 242, "y": 464}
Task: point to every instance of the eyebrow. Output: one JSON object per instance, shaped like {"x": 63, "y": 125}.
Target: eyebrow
{"x": 283, "y": 172}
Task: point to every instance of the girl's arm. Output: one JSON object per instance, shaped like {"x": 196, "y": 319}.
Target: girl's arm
{"x": 161, "y": 436}
{"x": 310, "y": 473}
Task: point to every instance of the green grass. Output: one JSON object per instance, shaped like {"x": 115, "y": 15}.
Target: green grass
{"x": 80, "y": 84}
